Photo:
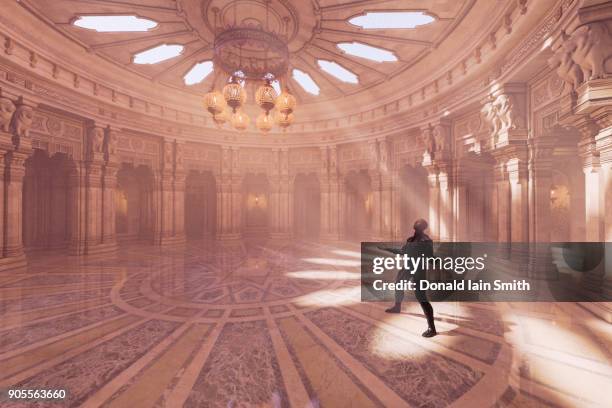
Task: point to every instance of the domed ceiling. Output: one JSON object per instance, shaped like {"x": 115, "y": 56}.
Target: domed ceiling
{"x": 336, "y": 48}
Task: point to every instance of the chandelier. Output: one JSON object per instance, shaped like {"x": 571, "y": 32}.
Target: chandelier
{"x": 248, "y": 53}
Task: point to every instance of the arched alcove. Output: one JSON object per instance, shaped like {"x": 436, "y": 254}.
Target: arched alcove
{"x": 200, "y": 205}
{"x": 306, "y": 206}
{"x": 256, "y": 205}
{"x": 358, "y": 207}
{"x": 48, "y": 202}
{"x": 134, "y": 203}
{"x": 475, "y": 217}
{"x": 567, "y": 192}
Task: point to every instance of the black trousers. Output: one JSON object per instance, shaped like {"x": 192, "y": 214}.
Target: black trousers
{"x": 419, "y": 294}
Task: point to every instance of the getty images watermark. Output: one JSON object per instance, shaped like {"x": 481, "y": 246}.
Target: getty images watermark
{"x": 458, "y": 265}
{"x": 491, "y": 272}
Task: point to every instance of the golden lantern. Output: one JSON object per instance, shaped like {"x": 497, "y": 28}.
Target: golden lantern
{"x": 264, "y": 122}
{"x": 284, "y": 121}
{"x": 240, "y": 120}
{"x": 285, "y": 103}
{"x": 220, "y": 118}
{"x": 234, "y": 94}
{"x": 214, "y": 102}
{"x": 266, "y": 96}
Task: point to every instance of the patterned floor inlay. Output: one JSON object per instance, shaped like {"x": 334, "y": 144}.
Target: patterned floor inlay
{"x": 254, "y": 325}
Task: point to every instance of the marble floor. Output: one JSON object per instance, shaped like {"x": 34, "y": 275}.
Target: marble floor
{"x": 276, "y": 326}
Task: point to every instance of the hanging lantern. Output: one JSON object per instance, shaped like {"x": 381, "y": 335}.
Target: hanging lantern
{"x": 285, "y": 103}
{"x": 214, "y": 102}
{"x": 284, "y": 121}
{"x": 220, "y": 118}
{"x": 266, "y": 96}
{"x": 264, "y": 122}
{"x": 240, "y": 120}
{"x": 234, "y": 94}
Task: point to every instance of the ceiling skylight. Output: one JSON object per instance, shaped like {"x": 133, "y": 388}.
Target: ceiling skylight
{"x": 306, "y": 82}
{"x": 111, "y": 24}
{"x": 158, "y": 54}
{"x": 394, "y": 19}
{"x": 367, "y": 51}
{"x": 336, "y": 70}
{"x": 198, "y": 73}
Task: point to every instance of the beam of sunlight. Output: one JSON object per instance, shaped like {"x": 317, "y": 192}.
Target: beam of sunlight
{"x": 332, "y": 261}
{"x": 344, "y": 252}
{"x": 331, "y": 297}
{"x": 323, "y": 275}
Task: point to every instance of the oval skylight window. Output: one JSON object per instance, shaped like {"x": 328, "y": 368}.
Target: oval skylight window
{"x": 338, "y": 71}
{"x": 158, "y": 54}
{"x": 391, "y": 19}
{"x": 367, "y": 51}
{"x": 306, "y": 82}
{"x": 113, "y": 24}
{"x": 198, "y": 73}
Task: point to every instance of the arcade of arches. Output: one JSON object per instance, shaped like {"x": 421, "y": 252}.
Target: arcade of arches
{"x": 129, "y": 218}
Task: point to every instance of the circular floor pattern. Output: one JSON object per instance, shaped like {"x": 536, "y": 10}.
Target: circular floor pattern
{"x": 261, "y": 325}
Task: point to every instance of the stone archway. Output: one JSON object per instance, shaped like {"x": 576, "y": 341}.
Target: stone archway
{"x": 49, "y": 207}
{"x": 358, "y": 206}
{"x": 134, "y": 203}
{"x": 200, "y": 205}
{"x": 306, "y": 206}
{"x": 256, "y": 205}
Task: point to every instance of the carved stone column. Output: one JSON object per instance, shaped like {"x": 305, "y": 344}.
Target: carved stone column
{"x": 236, "y": 198}
{"x": 386, "y": 219}
{"x": 445, "y": 204}
{"x": 229, "y": 197}
{"x": 325, "y": 210}
{"x": 180, "y": 177}
{"x": 109, "y": 187}
{"x": 396, "y": 206}
{"x": 94, "y": 163}
{"x": 503, "y": 208}
{"x": 77, "y": 182}
{"x": 334, "y": 204}
{"x": 591, "y": 165}
{"x": 540, "y": 176}
{"x": 386, "y": 183}
{"x": 460, "y": 204}
{"x": 376, "y": 185}
{"x": 17, "y": 147}
{"x": 437, "y": 160}
{"x": 283, "y": 211}
{"x": 519, "y": 227}
{"x": 165, "y": 196}
{"x": 434, "y": 203}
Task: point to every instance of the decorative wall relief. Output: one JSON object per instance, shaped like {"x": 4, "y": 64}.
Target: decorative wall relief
{"x": 585, "y": 54}
{"x": 503, "y": 114}
{"x": 22, "y": 121}
{"x": 7, "y": 109}
{"x": 95, "y": 142}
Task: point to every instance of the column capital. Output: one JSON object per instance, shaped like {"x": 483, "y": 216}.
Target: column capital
{"x": 21, "y": 123}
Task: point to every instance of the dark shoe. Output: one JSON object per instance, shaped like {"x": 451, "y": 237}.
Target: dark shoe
{"x": 394, "y": 309}
{"x": 429, "y": 333}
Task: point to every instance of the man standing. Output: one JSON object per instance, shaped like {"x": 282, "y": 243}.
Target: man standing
{"x": 417, "y": 245}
